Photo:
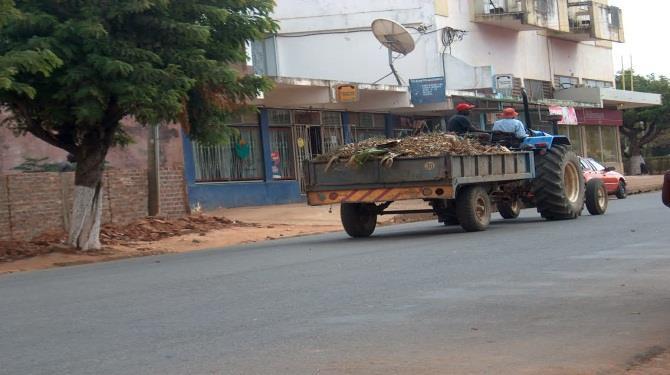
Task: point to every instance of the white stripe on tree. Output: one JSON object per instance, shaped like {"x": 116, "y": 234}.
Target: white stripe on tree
{"x": 85, "y": 219}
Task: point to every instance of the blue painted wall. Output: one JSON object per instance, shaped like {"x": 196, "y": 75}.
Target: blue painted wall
{"x": 239, "y": 194}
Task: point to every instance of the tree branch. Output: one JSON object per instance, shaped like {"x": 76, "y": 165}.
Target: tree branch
{"x": 650, "y": 135}
{"x": 50, "y": 138}
{"x": 628, "y": 132}
{"x": 34, "y": 128}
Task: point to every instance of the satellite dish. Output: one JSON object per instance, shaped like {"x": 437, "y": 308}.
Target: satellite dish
{"x": 395, "y": 37}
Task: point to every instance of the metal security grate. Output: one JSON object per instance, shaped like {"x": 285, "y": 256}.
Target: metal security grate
{"x": 239, "y": 159}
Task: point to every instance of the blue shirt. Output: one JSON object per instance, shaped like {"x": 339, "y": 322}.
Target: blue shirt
{"x": 510, "y": 125}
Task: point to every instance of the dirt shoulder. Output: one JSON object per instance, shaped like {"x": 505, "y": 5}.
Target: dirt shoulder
{"x": 58, "y": 255}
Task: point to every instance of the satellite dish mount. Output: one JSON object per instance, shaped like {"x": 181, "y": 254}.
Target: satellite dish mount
{"x": 395, "y": 38}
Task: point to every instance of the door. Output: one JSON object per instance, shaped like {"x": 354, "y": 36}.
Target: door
{"x": 611, "y": 182}
{"x": 302, "y": 146}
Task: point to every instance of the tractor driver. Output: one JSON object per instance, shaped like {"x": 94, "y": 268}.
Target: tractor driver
{"x": 509, "y": 124}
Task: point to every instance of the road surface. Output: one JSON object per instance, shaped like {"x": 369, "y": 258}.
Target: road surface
{"x": 527, "y": 296}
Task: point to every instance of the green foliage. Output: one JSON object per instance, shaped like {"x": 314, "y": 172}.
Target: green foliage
{"x": 644, "y": 125}
{"x": 71, "y": 70}
{"x": 32, "y": 165}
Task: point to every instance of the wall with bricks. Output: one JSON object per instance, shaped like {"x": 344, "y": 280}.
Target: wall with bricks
{"x": 32, "y": 203}
{"x": 15, "y": 150}
{"x": 173, "y": 198}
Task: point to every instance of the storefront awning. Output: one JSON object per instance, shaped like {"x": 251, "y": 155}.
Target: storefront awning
{"x": 321, "y": 94}
{"x": 609, "y": 97}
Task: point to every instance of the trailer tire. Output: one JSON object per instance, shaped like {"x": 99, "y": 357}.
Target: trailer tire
{"x": 473, "y": 208}
{"x": 558, "y": 187}
{"x": 509, "y": 210}
{"x": 596, "y": 197}
{"x": 358, "y": 219}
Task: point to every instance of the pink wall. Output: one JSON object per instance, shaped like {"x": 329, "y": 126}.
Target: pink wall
{"x": 14, "y": 150}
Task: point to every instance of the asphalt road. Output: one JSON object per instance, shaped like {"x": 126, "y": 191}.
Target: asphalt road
{"x": 527, "y": 296}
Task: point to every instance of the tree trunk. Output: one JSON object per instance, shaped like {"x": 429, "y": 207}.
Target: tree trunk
{"x": 635, "y": 157}
{"x": 86, "y": 215}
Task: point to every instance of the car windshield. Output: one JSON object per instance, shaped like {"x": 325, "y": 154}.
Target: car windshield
{"x": 585, "y": 165}
{"x": 597, "y": 165}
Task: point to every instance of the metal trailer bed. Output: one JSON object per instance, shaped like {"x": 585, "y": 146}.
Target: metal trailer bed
{"x": 427, "y": 178}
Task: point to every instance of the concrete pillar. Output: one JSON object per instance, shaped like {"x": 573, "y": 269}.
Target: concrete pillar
{"x": 264, "y": 119}
{"x": 346, "y": 128}
{"x": 388, "y": 125}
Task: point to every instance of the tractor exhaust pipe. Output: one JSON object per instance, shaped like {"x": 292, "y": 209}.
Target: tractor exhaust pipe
{"x": 526, "y": 110}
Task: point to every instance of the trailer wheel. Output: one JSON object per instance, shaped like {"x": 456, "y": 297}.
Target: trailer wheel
{"x": 473, "y": 208}
{"x": 509, "y": 210}
{"x": 559, "y": 184}
{"x": 596, "y": 197}
{"x": 358, "y": 219}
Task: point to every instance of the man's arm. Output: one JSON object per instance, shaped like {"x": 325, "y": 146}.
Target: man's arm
{"x": 666, "y": 189}
{"x": 520, "y": 130}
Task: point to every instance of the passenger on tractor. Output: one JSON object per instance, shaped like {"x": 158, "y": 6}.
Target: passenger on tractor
{"x": 508, "y": 130}
{"x": 461, "y": 125}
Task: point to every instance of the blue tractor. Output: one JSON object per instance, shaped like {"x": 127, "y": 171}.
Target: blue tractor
{"x": 558, "y": 189}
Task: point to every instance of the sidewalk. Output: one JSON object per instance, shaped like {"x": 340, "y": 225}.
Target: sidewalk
{"x": 644, "y": 184}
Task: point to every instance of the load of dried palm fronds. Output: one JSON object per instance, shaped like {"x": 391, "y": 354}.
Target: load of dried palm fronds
{"x": 429, "y": 144}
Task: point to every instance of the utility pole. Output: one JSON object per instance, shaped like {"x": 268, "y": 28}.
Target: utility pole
{"x": 632, "y": 84}
{"x": 153, "y": 156}
{"x": 623, "y": 74}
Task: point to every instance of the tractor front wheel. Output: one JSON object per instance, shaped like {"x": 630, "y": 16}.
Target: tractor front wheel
{"x": 509, "y": 209}
{"x": 596, "y": 197}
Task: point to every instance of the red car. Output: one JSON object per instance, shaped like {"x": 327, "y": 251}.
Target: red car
{"x": 615, "y": 182}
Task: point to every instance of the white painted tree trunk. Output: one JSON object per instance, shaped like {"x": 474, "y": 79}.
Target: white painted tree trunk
{"x": 85, "y": 219}
{"x": 635, "y": 161}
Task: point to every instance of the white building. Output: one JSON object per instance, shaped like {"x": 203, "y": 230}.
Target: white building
{"x": 559, "y": 50}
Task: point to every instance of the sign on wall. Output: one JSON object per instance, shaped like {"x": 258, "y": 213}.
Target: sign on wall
{"x": 346, "y": 93}
{"x": 428, "y": 90}
{"x": 504, "y": 84}
{"x": 568, "y": 113}
{"x": 599, "y": 116}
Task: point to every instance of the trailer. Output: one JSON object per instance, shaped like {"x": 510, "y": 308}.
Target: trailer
{"x": 456, "y": 187}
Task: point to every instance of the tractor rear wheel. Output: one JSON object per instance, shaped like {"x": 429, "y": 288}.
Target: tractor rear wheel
{"x": 559, "y": 184}
{"x": 596, "y": 197}
{"x": 473, "y": 208}
{"x": 358, "y": 219}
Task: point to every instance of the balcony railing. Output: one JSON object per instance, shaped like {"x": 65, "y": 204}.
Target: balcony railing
{"x": 522, "y": 14}
{"x": 593, "y": 21}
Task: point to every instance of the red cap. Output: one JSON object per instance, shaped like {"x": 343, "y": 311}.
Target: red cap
{"x": 509, "y": 113}
{"x": 462, "y": 107}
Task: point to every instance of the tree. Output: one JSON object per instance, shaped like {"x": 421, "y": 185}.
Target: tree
{"x": 643, "y": 125}
{"x": 71, "y": 70}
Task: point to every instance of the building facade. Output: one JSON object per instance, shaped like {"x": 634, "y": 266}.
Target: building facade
{"x": 480, "y": 51}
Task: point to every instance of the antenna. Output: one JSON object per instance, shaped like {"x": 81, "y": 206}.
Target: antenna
{"x": 395, "y": 37}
